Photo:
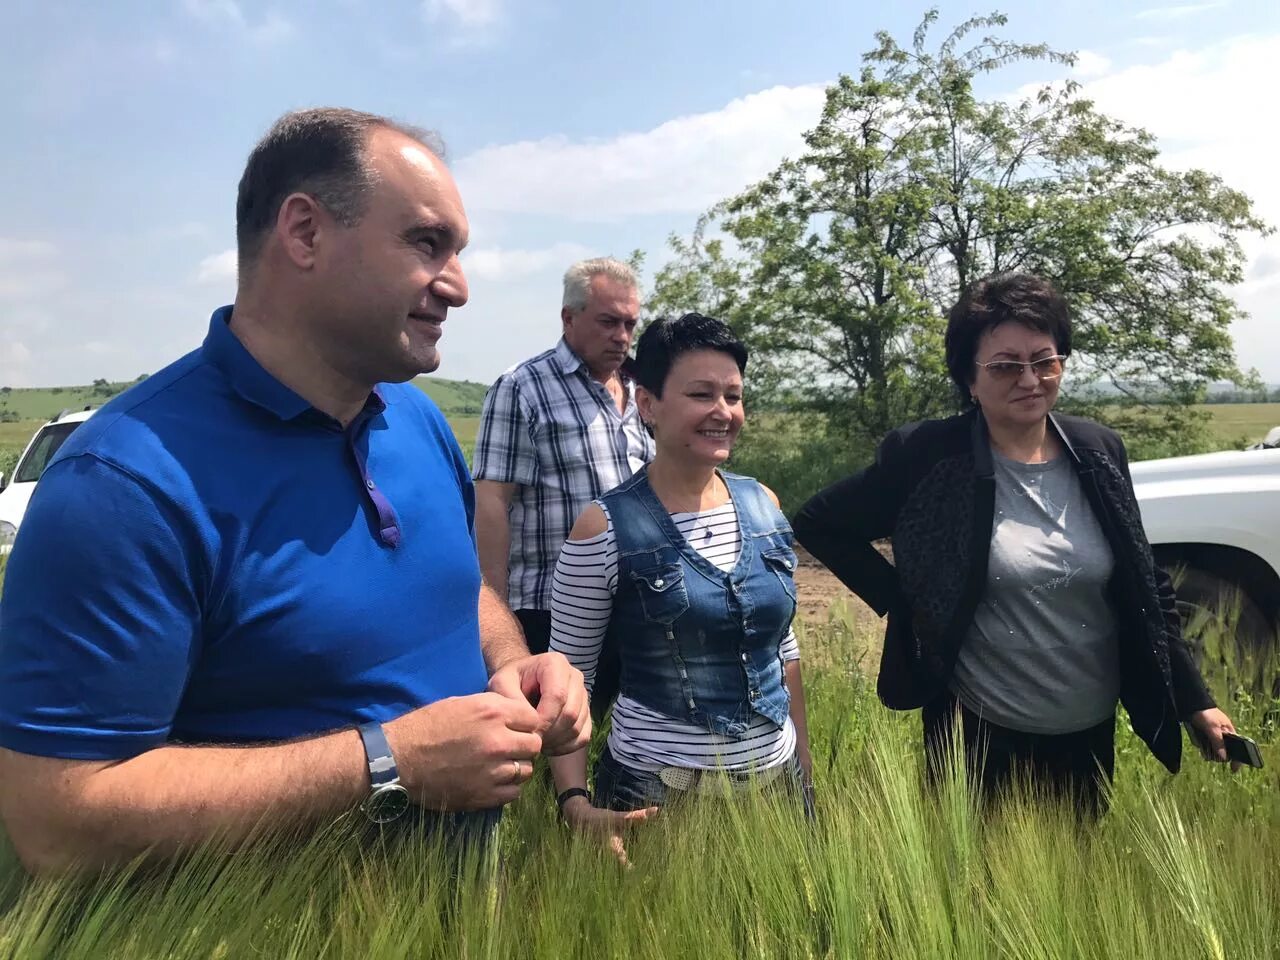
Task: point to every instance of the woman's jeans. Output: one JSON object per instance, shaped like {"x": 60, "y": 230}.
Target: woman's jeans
{"x": 619, "y": 787}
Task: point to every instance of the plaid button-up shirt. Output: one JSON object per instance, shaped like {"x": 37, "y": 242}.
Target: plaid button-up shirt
{"x": 557, "y": 434}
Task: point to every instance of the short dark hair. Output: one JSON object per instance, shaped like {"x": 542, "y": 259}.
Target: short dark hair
{"x": 320, "y": 152}
{"x": 665, "y": 339}
{"x": 1002, "y": 298}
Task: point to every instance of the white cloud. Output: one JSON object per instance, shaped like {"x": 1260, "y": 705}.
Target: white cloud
{"x": 1203, "y": 105}
{"x": 1090, "y": 64}
{"x": 682, "y": 166}
{"x": 271, "y": 29}
{"x": 501, "y": 264}
{"x": 15, "y": 364}
{"x": 217, "y": 268}
{"x": 29, "y": 269}
{"x": 213, "y": 11}
{"x": 1266, "y": 266}
{"x": 24, "y": 251}
{"x": 1178, "y": 11}
{"x": 467, "y": 13}
{"x": 274, "y": 28}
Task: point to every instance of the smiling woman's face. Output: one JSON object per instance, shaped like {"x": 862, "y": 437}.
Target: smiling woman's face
{"x": 699, "y": 415}
{"x": 1020, "y": 401}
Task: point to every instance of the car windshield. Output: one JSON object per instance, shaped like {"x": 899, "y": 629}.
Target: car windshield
{"x": 47, "y": 443}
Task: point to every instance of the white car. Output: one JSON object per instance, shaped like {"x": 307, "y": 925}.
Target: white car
{"x": 1215, "y": 518}
{"x": 16, "y": 492}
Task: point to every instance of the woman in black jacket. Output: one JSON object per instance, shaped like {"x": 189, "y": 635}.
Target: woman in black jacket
{"x": 1023, "y": 599}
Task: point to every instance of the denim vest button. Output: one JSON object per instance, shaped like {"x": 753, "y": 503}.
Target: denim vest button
{"x": 659, "y": 582}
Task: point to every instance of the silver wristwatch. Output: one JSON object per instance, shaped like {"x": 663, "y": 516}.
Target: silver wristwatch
{"x": 388, "y": 799}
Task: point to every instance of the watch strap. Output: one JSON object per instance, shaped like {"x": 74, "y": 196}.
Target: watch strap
{"x": 567, "y": 795}
{"x": 382, "y": 765}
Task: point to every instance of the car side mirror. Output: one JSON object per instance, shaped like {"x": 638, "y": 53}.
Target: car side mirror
{"x": 1, "y": 481}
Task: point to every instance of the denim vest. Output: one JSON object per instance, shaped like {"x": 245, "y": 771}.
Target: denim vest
{"x": 696, "y": 643}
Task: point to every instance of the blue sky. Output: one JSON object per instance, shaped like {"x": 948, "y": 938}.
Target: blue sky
{"x": 573, "y": 128}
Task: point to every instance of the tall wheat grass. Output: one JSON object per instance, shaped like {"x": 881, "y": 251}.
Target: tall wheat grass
{"x": 1185, "y": 866}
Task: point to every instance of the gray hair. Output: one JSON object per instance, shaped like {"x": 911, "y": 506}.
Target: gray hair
{"x": 577, "y": 279}
{"x": 320, "y": 152}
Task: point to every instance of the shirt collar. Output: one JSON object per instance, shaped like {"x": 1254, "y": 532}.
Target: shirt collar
{"x": 569, "y": 361}
{"x": 251, "y": 380}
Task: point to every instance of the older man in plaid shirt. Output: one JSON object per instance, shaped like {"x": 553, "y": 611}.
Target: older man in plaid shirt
{"x": 556, "y": 432}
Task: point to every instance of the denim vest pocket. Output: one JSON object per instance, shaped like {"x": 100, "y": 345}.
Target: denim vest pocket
{"x": 662, "y": 592}
{"x": 782, "y": 561}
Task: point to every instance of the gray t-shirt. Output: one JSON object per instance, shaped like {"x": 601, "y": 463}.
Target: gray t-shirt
{"x": 1041, "y": 655}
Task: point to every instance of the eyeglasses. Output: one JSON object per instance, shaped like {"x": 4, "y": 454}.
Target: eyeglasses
{"x": 1046, "y": 368}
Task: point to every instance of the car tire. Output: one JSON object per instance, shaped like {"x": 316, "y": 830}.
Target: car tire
{"x": 1226, "y": 628}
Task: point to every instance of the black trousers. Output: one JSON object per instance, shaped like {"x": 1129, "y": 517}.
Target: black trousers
{"x": 1074, "y": 767}
{"x": 537, "y": 634}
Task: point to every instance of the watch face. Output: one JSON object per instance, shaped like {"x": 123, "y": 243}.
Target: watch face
{"x": 387, "y": 803}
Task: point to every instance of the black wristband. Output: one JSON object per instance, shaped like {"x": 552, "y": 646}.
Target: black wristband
{"x": 568, "y": 795}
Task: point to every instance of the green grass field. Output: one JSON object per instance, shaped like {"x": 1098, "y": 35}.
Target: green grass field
{"x": 454, "y": 397}
{"x": 1249, "y": 421}
{"x": 1185, "y": 866}
{"x": 460, "y": 400}
{"x": 1233, "y": 424}
{"x": 462, "y": 397}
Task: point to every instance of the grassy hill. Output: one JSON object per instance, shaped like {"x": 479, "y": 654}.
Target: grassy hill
{"x": 23, "y": 410}
{"x": 454, "y": 397}
{"x": 44, "y": 403}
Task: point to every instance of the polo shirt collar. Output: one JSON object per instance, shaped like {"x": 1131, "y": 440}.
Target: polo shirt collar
{"x": 251, "y": 380}
{"x": 245, "y": 374}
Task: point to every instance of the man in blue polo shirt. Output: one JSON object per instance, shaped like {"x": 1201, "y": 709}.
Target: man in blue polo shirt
{"x": 246, "y": 592}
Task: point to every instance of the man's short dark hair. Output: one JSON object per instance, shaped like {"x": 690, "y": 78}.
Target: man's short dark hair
{"x": 320, "y": 152}
{"x": 1002, "y": 298}
{"x": 664, "y": 340}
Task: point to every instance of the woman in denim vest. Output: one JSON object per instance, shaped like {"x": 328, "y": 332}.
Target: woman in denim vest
{"x": 690, "y": 571}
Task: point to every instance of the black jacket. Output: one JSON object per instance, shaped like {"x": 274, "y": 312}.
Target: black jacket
{"x": 932, "y": 490}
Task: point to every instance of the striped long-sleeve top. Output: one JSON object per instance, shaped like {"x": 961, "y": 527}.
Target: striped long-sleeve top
{"x": 586, "y": 579}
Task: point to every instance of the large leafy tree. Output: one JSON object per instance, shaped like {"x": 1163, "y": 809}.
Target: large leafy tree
{"x": 838, "y": 266}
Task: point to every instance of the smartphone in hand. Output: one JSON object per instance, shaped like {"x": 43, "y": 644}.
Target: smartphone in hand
{"x": 1242, "y": 750}
{"x": 1239, "y": 749}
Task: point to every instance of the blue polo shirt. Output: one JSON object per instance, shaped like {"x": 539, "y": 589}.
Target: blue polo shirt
{"x": 209, "y": 559}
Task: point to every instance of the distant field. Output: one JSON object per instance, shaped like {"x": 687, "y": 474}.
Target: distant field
{"x": 44, "y": 403}
{"x": 1234, "y": 424}
{"x": 454, "y": 397}
{"x": 465, "y": 429}
{"x": 1251, "y": 421}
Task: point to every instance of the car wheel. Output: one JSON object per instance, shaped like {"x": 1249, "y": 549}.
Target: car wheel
{"x": 1226, "y": 628}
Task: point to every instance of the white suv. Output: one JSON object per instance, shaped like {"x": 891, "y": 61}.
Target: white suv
{"x": 1216, "y": 518}
{"x": 16, "y": 493}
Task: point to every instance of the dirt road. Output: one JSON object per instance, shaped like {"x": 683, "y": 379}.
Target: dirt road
{"x": 836, "y": 628}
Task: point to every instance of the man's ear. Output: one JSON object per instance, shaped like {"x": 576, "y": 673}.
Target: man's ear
{"x": 301, "y": 225}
